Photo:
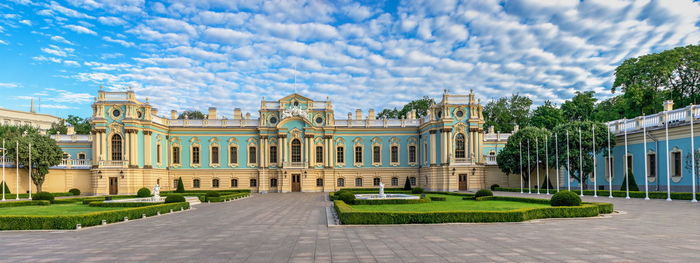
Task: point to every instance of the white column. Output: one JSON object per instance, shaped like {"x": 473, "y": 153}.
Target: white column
{"x": 692, "y": 150}
{"x": 646, "y": 164}
{"x": 537, "y": 161}
{"x": 595, "y": 178}
{"x": 432, "y": 147}
{"x": 147, "y": 149}
{"x": 521, "y": 166}
{"x": 668, "y": 161}
{"x": 610, "y": 170}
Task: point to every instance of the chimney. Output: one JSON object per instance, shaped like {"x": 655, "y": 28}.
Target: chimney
{"x": 358, "y": 114}
{"x": 247, "y": 115}
{"x": 71, "y": 130}
{"x": 370, "y": 115}
{"x": 173, "y": 114}
{"x": 668, "y": 105}
{"x": 212, "y": 113}
{"x": 237, "y": 114}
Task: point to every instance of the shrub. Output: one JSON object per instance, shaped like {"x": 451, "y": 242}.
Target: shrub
{"x": 213, "y": 194}
{"x": 143, "y": 192}
{"x": 633, "y": 182}
{"x": 494, "y": 186}
{"x": 565, "y": 198}
{"x": 407, "y": 185}
{"x": 74, "y": 191}
{"x": 7, "y": 189}
{"x": 43, "y": 196}
{"x": 438, "y": 198}
{"x": 417, "y": 190}
{"x": 347, "y": 197}
{"x": 483, "y": 192}
{"x": 423, "y": 199}
{"x": 24, "y": 203}
{"x": 180, "y": 186}
{"x": 175, "y": 199}
{"x": 121, "y": 204}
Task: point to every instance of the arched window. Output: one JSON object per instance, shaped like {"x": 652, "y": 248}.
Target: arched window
{"x": 341, "y": 182}
{"x": 81, "y": 156}
{"x": 394, "y": 181}
{"x": 358, "y": 154}
{"x": 358, "y": 181}
{"x": 376, "y": 154}
{"x": 376, "y": 181}
{"x": 195, "y": 183}
{"x": 459, "y": 146}
{"x": 252, "y": 155}
{"x": 158, "y": 154}
{"x": 215, "y": 183}
{"x": 234, "y": 183}
{"x": 296, "y": 151}
{"x": 394, "y": 154}
{"x": 117, "y": 147}
{"x": 319, "y": 181}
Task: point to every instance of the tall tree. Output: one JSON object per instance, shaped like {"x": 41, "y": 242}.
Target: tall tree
{"x": 586, "y": 146}
{"x": 580, "y": 107}
{"x": 547, "y": 116}
{"x": 191, "y": 114}
{"x": 45, "y": 151}
{"x": 420, "y": 105}
{"x": 610, "y": 109}
{"x": 506, "y": 112}
{"x": 509, "y": 159}
{"x": 81, "y": 126}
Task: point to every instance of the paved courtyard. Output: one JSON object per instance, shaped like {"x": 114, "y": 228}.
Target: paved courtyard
{"x": 292, "y": 228}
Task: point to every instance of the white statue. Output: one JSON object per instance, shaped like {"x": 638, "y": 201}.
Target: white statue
{"x": 294, "y": 111}
{"x": 156, "y": 191}
{"x": 381, "y": 190}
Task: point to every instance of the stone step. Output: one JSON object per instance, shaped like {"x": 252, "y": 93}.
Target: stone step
{"x": 193, "y": 200}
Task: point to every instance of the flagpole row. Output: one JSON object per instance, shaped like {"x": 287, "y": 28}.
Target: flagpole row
{"x": 646, "y": 161}
{"x": 595, "y": 177}
{"x": 609, "y": 163}
{"x": 537, "y": 167}
{"x": 580, "y": 161}
{"x": 568, "y": 163}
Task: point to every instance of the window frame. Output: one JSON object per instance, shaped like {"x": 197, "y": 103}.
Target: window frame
{"x": 196, "y": 183}
{"x": 358, "y": 182}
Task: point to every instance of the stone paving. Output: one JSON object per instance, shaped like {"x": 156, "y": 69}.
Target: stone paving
{"x": 292, "y": 228}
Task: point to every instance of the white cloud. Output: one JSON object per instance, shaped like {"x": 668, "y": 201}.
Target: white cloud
{"x": 111, "y": 21}
{"x": 9, "y": 85}
{"x": 67, "y": 11}
{"x": 61, "y": 40}
{"x": 3, "y": 42}
{"x": 118, "y": 41}
{"x": 26, "y": 22}
{"x": 57, "y": 51}
{"x": 224, "y": 35}
{"x": 80, "y": 29}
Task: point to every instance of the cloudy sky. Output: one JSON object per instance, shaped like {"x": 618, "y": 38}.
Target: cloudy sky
{"x": 185, "y": 54}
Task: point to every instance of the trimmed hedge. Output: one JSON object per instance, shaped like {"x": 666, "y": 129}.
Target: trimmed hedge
{"x": 74, "y": 191}
{"x": 438, "y": 198}
{"x": 89, "y": 219}
{"x": 43, "y": 196}
{"x": 175, "y": 199}
{"x": 25, "y": 195}
{"x": 392, "y": 201}
{"x": 24, "y": 203}
{"x": 417, "y": 190}
{"x": 121, "y": 204}
{"x": 565, "y": 198}
{"x": 617, "y": 193}
{"x": 227, "y": 197}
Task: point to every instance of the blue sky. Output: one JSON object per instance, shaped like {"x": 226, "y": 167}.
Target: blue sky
{"x": 368, "y": 54}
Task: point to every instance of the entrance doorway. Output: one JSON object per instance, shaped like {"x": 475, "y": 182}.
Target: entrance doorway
{"x": 296, "y": 182}
{"x": 113, "y": 186}
{"x": 463, "y": 183}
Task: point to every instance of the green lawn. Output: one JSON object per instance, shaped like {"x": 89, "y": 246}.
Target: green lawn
{"x": 453, "y": 203}
{"x": 55, "y": 209}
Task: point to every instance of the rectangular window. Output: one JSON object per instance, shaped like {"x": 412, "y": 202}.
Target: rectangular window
{"x": 273, "y": 182}
{"x": 215, "y": 183}
{"x": 651, "y": 159}
{"x": 195, "y": 155}
{"x": 341, "y": 182}
{"x": 319, "y": 154}
{"x": 319, "y": 182}
{"x": 81, "y": 156}
{"x": 234, "y": 183}
{"x": 273, "y": 154}
{"x": 394, "y": 154}
{"x": 175, "y": 183}
{"x": 358, "y": 154}
{"x": 158, "y": 153}
{"x": 252, "y": 155}
{"x": 376, "y": 154}
{"x": 195, "y": 183}
{"x": 413, "y": 181}
{"x": 358, "y": 182}
{"x": 609, "y": 167}
{"x": 176, "y": 155}
{"x": 340, "y": 154}
{"x": 394, "y": 181}
{"x": 233, "y": 155}
{"x": 411, "y": 154}
{"x": 215, "y": 155}
{"x": 376, "y": 181}
{"x": 253, "y": 183}
{"x": 629, "y": 164}
{"x": 676, "y": 164}
{"x": 425, "y": 153}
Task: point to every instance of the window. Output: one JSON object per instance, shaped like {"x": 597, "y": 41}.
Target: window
{"x": 676, "y": 164}
{"x": 215, "y": 183}
{"x": 413, "y": 181}
{"x": 651, "y": 159}
{"x": 176, "y": 155}
{"x": 340, "y": 154}
{"x": 65, "y": 156}
{"x": 319, "y": 154}
{"x": 252, "y": 155}
{"x": 296, "y": 151}
{"x": 358, "y": 181}
{"x": 412, "y": 154}
{"x": 233, "y": 155}
{"x": 376, "y": 154}
{"x": 215, "y": 155}
{"x": 319, "y": 182}
{"x": 117, "y": 147}
{"x": 195, "y": 155}
{"x": 158, "y": 153}
{"x": 273, "y": 154}
{"x": 358, "y": 154}
{"x": 459, "y": 146}
{"x": 195, "y": 183}
{"x": 394, "y": 154}
{"x": 234, "y": 183}
{"x": 273, "y": 182}
{"x": 629, "y": 164}
{"x": 394, "y": 181}
{"x": 253, "y": 182}
{"x": 376, "y": 181}
{"x": 81, "y": 156}
{"x": 341, "y": 182}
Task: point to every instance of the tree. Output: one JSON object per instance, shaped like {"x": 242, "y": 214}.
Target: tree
{"x": 388, "y": 114}
{"x": 572, "y": 159}
{"x": 503, "y": 114}
{"x": 633, "y": 182}
{"x": 420, "y": 105}
{"x": 580, "y": 107}
{"x": 529, "y": 138}
{"x": 180, "y": 186}
{"x": 45, "y": 151}
{"x": 81, "y": 126}
{"x": 7, "y": 189}
{"x": 191, "y": 114}
{"x": 407, "y": 185}
{"x": 547, "y": 116}
{"x": 609, "y": 110}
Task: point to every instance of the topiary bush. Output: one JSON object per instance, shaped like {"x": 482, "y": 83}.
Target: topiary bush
{"x": 483, "y": 192}
{"x": 347, "y": 197}
{"x": 7, "y": 189}
{"x": 417, "y": 190}
{"x": 565, "y": 198}
{"x": 180, "y": 186}
{"x": 494, "y": 186}
{"x": 407, "y": 185}
{"x": 175, "y": 199}
{"x": 74, "y": 191}
{"x": 43, "y": 196}
{"x": 143, "y": 192}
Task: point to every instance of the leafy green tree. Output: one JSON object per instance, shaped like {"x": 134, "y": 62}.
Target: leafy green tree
{"x": 580, "y": 107}
{"x": 45, "y": 151}
{"x": 420, "y": 105}
{"x": 81, "y": 126}
{"x": 528, "y": 138}
{"x": 180, "y": 186}
{"x": 192, "y": 115}
{"x": 407, "y": 185}
{"x": 633, "y": 182}
{"x": 609, "y": 110}
{"x": 601, "y": 144}
{"x": 506, "y": 112}
{"x": 547, "y": 116}
{"x": 388, "y": 114}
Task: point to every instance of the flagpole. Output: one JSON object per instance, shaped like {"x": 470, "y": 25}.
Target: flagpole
{"x": 668, "y": 167}
{"x": 3, "y": 169}
{"x": 546, "y": 164}
{"x": 556, "y": 149}
{"x": 17, "y": 170}
{"x": 692, "y": 151}
{"x": 627, "y": 177}
{"x": 537, "y": 167}
{"x": 529, "y": 189}
{"x": 521, "y": 166}
{"x": 595, "y": 178}
{"x": 568, "y": 162}
{"x": 29, "y": 177}
{"x": 609, "y": 162}
{"x": 580, "y": 161}
{"x": 646, "y": 159}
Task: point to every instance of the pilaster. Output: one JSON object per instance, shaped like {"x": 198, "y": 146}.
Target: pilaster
{"x": 432, "y": 147}
{"x": 147, "y": 158}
